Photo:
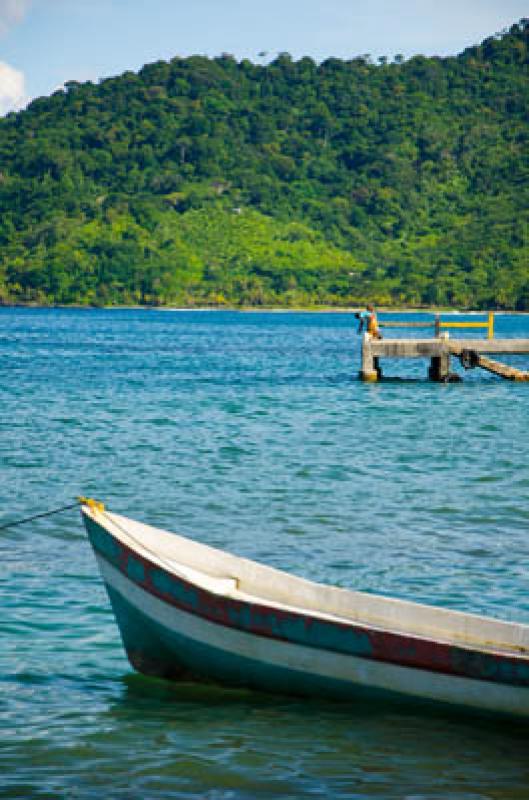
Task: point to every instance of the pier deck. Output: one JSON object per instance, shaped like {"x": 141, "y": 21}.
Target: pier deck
{"x": 439, "y": 351}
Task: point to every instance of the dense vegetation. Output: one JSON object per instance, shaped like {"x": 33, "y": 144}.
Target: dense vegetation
{"x": 213, "y": 181}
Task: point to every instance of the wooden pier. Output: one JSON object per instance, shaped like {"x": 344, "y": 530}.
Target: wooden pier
{"x": 439, "y": 350}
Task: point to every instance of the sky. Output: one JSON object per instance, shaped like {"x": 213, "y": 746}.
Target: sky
{"x": 44, "y": 43}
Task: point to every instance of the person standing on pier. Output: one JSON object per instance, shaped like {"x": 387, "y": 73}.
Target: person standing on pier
{"x": 368, "y": 318}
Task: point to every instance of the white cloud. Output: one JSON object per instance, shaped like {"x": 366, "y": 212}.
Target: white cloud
{"x": 12, "y": 89}
{"x": 12, "y": 12}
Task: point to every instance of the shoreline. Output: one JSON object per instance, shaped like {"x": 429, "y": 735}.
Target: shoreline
{"x": 272, "y": 309}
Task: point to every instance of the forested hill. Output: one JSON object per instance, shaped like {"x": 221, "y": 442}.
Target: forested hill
{"x": 212, "y": 181}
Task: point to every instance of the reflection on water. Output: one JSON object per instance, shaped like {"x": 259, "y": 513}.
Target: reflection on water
{"x": 157, "y": 740}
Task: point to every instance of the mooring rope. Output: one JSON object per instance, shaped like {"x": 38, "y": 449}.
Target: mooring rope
{"x": 39, "y": 516}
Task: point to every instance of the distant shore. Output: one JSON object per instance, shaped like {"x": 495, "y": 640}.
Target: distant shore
{"x": 271, "y": 309}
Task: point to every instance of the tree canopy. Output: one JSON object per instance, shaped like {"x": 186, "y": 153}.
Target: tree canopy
{"x": 213, "y": 181}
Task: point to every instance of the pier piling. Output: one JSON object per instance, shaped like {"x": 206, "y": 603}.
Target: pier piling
{"x": 370, "y": 370}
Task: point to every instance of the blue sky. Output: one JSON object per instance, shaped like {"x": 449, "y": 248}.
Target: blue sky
{"x": 46, "y": 42}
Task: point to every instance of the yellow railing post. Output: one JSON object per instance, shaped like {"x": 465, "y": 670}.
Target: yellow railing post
{"x": 490, "y": 326}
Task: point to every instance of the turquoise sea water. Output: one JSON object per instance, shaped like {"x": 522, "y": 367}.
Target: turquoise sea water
{"x": 250, "y": 432}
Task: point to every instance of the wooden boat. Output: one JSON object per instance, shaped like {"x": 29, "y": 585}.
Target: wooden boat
{"x": 189, "y": 611}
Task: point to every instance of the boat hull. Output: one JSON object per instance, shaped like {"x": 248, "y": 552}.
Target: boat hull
{"x": 166, "y": 642}
{"x": 171, "y": 630}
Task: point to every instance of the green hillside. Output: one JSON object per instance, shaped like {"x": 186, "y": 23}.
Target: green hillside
{"x": 222, "y": 182}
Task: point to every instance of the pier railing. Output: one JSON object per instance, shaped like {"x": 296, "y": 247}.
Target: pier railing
{"x": 438, "y": 324}
{"x": 489, "y": 324}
